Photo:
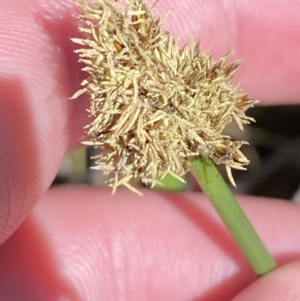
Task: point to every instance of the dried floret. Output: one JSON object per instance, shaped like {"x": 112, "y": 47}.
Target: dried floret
{"x": 152, "y": 104}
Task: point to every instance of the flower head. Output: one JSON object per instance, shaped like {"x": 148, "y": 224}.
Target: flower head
{"x": 152, "y": 104}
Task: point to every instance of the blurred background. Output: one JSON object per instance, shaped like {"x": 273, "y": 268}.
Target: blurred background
{"x": 274, "y": 151}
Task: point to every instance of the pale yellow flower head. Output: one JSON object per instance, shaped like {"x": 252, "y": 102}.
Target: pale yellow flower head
{"x": 152, "y": 104}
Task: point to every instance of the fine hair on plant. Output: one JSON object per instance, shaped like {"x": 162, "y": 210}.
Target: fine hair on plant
{"x": 153, "y": 104}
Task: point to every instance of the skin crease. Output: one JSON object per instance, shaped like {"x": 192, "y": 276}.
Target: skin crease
{"x": 81, "y": 244}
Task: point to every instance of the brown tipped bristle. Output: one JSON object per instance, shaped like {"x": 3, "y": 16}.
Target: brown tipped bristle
{"x": 152, "y": 104}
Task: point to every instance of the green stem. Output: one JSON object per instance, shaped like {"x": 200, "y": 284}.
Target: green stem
{"x": 232, "y": 215}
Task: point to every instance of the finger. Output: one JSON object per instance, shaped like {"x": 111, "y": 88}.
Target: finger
{"x": 280, "y": 285}
{"x": 82, "y": 244}
{"x": 38, "y": 72}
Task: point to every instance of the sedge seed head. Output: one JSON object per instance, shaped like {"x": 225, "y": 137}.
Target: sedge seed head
{"x": 153, "y": 104}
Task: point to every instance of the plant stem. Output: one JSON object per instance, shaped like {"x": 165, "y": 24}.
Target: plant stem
{"x": 232, "y": 215}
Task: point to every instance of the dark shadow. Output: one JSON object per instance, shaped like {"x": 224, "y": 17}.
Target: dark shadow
{"x": 28, "y": 271}
{"x": 274, "y": 147}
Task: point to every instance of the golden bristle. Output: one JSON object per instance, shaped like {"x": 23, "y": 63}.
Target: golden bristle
{"x": 152, "y": 104}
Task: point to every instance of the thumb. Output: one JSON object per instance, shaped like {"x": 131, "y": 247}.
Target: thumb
{"x": 279, "y": 285}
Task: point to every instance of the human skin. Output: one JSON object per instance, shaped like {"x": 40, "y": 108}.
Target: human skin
{"x": 81, "y": 244}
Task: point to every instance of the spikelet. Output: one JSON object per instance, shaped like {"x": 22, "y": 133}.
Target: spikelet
{"x": 152, "y": 104}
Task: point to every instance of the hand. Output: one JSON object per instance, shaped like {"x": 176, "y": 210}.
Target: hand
{"x": 81, "y": 244}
